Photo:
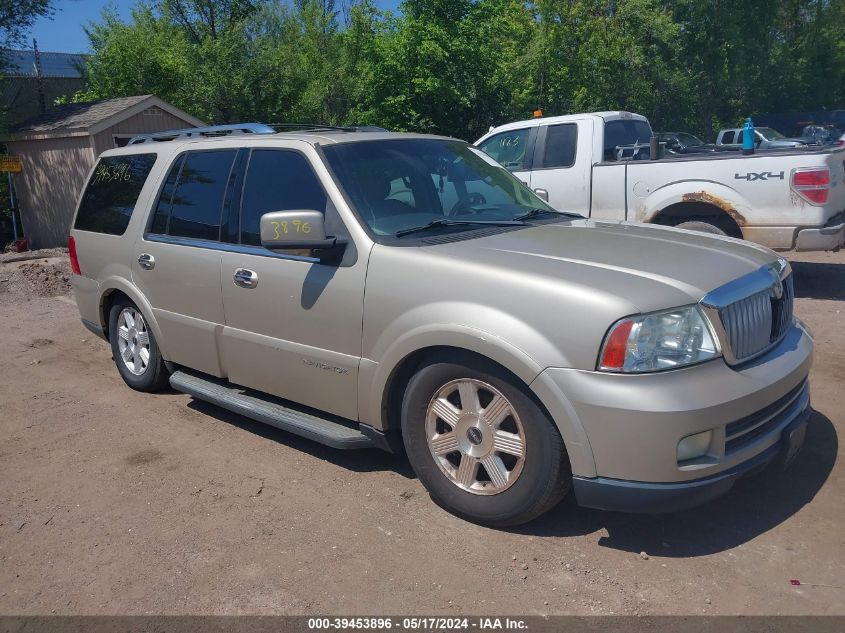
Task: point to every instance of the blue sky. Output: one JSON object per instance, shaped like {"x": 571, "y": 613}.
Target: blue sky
{"x": 64, "y": 32}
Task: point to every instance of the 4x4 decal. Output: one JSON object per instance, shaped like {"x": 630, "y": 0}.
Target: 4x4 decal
{"x": 763, "y": 175}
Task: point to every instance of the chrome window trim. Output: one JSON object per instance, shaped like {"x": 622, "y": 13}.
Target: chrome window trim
{"x": 766, "y": 277}
{"x": 225, "y": 247}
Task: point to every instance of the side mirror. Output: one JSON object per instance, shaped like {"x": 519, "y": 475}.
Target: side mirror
{"x": 282, "y": 230}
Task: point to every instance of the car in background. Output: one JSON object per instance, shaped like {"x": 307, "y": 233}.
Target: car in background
{"x": 821, "y": 134}
{"x": 765, "y": 138}
{"x": 683, "y": 143}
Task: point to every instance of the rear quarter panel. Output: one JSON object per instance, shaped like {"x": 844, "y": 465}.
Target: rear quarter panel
{"x": 105, "y": 261}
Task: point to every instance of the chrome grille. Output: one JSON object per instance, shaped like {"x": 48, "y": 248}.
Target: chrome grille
{"x": 754, "y": 323}
{"x": 782, "y": 310}
{"x": 748, "y": 324}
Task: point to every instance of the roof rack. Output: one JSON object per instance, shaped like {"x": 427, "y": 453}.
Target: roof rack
{"x": 317, "y": 127}
{"x": 212, "y": 131}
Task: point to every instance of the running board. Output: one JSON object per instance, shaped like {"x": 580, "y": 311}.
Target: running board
{"x": 328, "y": 430}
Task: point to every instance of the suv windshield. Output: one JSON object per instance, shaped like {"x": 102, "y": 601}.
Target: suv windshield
{"x": 402, "y": 184}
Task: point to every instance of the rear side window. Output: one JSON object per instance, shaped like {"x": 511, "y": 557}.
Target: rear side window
{"x": 191, "y": 202}
{"x": 728, "y": 138}
{"x": 112, "y": 192}
{"x": 508, "y": 148}
{"x": 277, "y": 180}
{"x": 624, "y": 132}
{"x": 561, "y": 141}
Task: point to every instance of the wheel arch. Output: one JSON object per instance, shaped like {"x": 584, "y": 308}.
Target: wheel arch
{"x": 386, "y": 396}
{"x": 115, "y": 288}
{"x": 702, "y": 201}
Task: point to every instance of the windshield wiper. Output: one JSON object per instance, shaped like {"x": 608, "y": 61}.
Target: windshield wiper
{"x": 533, "y": 213}
{"x": 451, "y": 222}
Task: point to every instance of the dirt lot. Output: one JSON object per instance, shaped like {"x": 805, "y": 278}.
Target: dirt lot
{"x": 115, "y": 502}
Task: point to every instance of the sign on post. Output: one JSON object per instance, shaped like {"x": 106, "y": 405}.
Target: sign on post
{"x": 11, "y": 163}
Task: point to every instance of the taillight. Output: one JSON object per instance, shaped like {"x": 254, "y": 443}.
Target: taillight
{"x": 812, "y": 184}
{"x": 74, "y": 260}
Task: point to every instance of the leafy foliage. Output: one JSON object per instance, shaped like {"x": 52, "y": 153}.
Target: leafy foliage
{"x": 457, "y": 66}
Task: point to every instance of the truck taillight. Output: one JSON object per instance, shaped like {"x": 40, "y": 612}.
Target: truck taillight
{"x": 74, "y": 260}
{"x": 812, "y": 184}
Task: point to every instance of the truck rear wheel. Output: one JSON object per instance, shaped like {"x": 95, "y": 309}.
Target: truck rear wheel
{"x": 481, "y": 446}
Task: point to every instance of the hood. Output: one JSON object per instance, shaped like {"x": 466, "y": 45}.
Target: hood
{"x": 787, "y": 142}
{"x": 652, "y": 267}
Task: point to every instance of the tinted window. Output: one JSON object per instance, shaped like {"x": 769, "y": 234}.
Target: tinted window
{"x": 162, "y": 212}
{"x": 508, "y": 148}
{"x": 728, "y": 138}
{"x": 112, "y": 192}
{"x": 624, "y": 132}
{"x": 560, "y": 145}
{"x": 197, "y": 202}
{"x": 277, "y": 180}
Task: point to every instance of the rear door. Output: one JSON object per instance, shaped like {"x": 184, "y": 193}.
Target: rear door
{"x": 561, "y": 166}
{"x": 296, "y": 331}
{"x": 177, "y": 261}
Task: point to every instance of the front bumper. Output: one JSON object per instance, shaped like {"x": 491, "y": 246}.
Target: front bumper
{"x": 632, "y": 424}
{"x": 642, "y": 497}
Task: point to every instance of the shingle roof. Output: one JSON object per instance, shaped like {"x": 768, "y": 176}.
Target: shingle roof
{"x": 76, "y": 116}
{"x": 22, "y": 64}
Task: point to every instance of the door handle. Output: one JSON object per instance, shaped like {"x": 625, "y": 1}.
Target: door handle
{"x": 146, "y": 261}
{"x": 245, "y": 278}
{"x": 542, "y": 193}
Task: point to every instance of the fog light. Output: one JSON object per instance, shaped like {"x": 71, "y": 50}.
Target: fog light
{"x": 693, "y": 446}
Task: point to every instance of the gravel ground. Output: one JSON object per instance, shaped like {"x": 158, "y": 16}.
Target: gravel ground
{"x": 116, "y": 502}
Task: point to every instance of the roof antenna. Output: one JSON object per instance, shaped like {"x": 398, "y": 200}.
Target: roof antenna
{"x": 39, "y": 77}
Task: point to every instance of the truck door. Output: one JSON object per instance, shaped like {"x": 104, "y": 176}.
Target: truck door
{"x": 561, "y": 165}
{"x": 514, "y": 149}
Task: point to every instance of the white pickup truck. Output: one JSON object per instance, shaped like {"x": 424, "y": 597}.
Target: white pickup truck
{"x": 784, "y": 200}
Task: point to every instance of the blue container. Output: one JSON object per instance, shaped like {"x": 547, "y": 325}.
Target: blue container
{"x": 748, "y": 137}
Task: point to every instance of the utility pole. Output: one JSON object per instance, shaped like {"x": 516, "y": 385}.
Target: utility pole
{"x": 39, "y": 77}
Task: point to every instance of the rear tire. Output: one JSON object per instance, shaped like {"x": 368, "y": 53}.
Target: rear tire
{"x": 507, "y": 463}
{"x": 134, "y": 348}
{"x": 702, "y": 227}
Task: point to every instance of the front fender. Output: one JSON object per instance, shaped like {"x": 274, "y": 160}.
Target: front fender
{"x": 375, "y": 375}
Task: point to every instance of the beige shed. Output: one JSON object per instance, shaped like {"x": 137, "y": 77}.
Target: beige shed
{"x": 58, "y": 149}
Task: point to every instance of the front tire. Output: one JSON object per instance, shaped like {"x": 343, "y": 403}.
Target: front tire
{"x": 481, "y": 446}
{"x": 134, "y": 348}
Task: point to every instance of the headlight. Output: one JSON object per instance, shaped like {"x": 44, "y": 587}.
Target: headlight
{"x": 657, "y": 341}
